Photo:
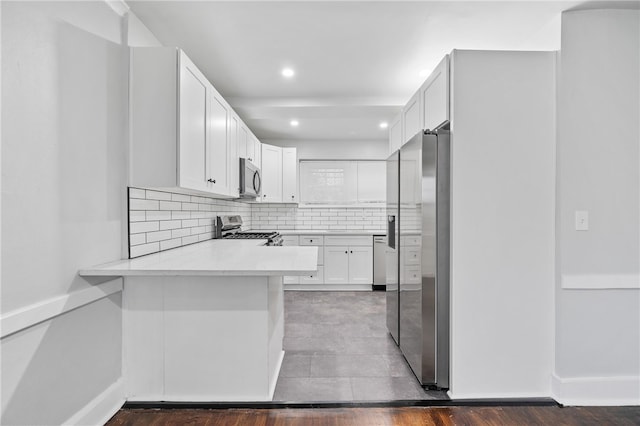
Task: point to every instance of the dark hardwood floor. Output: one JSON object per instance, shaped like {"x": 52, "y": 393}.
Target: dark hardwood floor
{"x": 423, "y": 416}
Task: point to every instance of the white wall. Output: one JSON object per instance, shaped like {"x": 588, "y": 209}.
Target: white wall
{"x": 336, "y": 149}
{"x": 64, "y": 138}
{"x": 502, "y": 223}
{"x": 598, "y": 283}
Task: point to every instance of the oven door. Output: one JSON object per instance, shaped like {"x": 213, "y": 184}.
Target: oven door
{"x": 250, "y": 179}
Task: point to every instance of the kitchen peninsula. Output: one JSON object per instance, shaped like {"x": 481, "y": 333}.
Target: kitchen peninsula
{"x": 205, "y": 322}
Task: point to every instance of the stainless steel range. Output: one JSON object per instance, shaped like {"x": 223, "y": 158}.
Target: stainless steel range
{"x": 229, "y": 227}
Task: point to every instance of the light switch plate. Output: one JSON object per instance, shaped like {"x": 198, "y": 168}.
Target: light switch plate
{"x": 582, "y": 220}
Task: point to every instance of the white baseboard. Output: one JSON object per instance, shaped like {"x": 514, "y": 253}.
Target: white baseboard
{"x": 621, "y": 390}
{"x": 328, "y": 287}
{"x": 490, "y": 396}
{"x": 101, "y": 408}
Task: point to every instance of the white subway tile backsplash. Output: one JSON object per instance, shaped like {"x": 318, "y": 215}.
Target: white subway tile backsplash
{"x": 169, "y": 244}
{"x": 277, "y": 216}
{"x": 190, "y": 240}
{"x": 158, "y": 236}
{"x": 136, "y": 204}
{"x": 137, "y": 239}
{"x": 137, "y": 216}
{"x": 180, "y": 215}
{"x": 170, "y": 205}
{"x": 160, "y": 220}
{"x": 141, "y": 250}
{"x": 181, "y": 232}
{"x": 138, "y": 227}
{"x": 157, "y": 195}
{"x": 181, "y": 197}
{"x": 158, "y": 215}
{"x": 170, "y": 224}
{"x": 137, "y": 193}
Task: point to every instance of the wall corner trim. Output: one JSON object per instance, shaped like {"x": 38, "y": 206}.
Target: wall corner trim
{"x": 591, "y": 391}
{"x": 99, "y": 410}
{"x": 26, "y": 317}
{"x": 600, "y": 281}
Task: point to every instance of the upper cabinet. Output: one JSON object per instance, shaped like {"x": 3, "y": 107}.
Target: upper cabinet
{"x": 279, "y": 174}
{"x": 395, "y": 134}
{"x": 435, "y": 96}
{"x": 184, "y": 135}
{"x": 289, "y": 175}
{"x": 428, "y": 108}
{"x": 271, "y": 174}
{"x": 412, "y": 117}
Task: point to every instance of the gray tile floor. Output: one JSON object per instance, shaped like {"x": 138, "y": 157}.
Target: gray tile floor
{"x": 337, "y": 348}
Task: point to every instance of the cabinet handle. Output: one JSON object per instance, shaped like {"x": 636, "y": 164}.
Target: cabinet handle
{"x": 211, "y": 180}
{"x": 264, "y": 195}
{"x": 346, "y": 252}
{"x": 293, "y": 196}
{"x": 310, "y": 241}
{"x": 351, "y": 251}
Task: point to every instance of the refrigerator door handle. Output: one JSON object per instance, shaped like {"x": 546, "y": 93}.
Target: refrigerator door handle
{"x": 391, "y": 231}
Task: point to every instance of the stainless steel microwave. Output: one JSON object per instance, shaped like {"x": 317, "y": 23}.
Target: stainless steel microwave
{"x": 250, "y": 179}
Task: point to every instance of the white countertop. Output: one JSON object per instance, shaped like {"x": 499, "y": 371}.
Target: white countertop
{"x": 215, "y": 257}
{"x": 327, "y": 232}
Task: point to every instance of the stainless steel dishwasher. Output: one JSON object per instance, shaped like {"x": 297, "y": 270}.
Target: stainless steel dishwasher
{"x": 379, "y": 262}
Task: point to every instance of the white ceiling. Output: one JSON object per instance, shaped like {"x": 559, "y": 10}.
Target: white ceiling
{"x": 356, "y": 62}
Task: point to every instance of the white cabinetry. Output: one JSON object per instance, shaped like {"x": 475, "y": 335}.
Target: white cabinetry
{"x": 271, "y": 174}
{"x": 279, "y": 174}
{"x": 193, "y": 125}
{"x": 218, "y": 145}
{"x": 184, "y": 135}
{"x": 318, "y": 276}
{"x": 411, "y": 117}
{"x": 348, "y": 260}
{"x": 395, "y": 134}
{"x": 435, "y": 96}
{"x": 289, "y": 175}
{"x": 290, "y": 240}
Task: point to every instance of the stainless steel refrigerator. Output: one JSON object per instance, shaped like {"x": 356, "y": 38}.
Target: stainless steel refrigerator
{"x": 418, "y": 254}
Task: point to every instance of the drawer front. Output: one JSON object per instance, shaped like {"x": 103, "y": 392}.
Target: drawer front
{"x": 412, "y": 275}
{"x": 315, "y": 278}
{"x": 348, "y": 240}
{"x": 411, "y": 255}
{"x": 292, "y": 279}
{"x": 413, "y": 241}
{"x": 311, "y": 240}
{"x": 290, "y": 240}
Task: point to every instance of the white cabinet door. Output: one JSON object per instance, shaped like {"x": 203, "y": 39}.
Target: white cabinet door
{"x": 218, "y": 145}
{"x": 233, "y": 164}
{"x": 435, "y": 96}
{"x": 192, "y": 126}
{"x": 360, "y": 265}
{"x": 336, "y": 264}
{"x": 411, "y": 117}
{"x": 271, "y": 174}
{"x": 290, "y": 240}
{"x": 257, "y": 149}
{"x": 289, "y": 175}
{"x": 395, "y": 134}
{"x": 372, "y": 181}
{"x": 243, "y": 137}
{"x": 251, "y": 148}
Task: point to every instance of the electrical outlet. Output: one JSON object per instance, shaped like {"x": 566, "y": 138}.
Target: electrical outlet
{"x": 582, "y": 220}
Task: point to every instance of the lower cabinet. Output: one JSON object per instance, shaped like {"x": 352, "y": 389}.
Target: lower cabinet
{"x": 344, "y": 263}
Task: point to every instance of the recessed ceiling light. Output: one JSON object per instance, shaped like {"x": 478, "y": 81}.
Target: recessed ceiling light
{"x": 288, "y": 72}
{"x": 424, "y": 73}
{"x": 384, "y": 125}
{"x": 294, "y": 123}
